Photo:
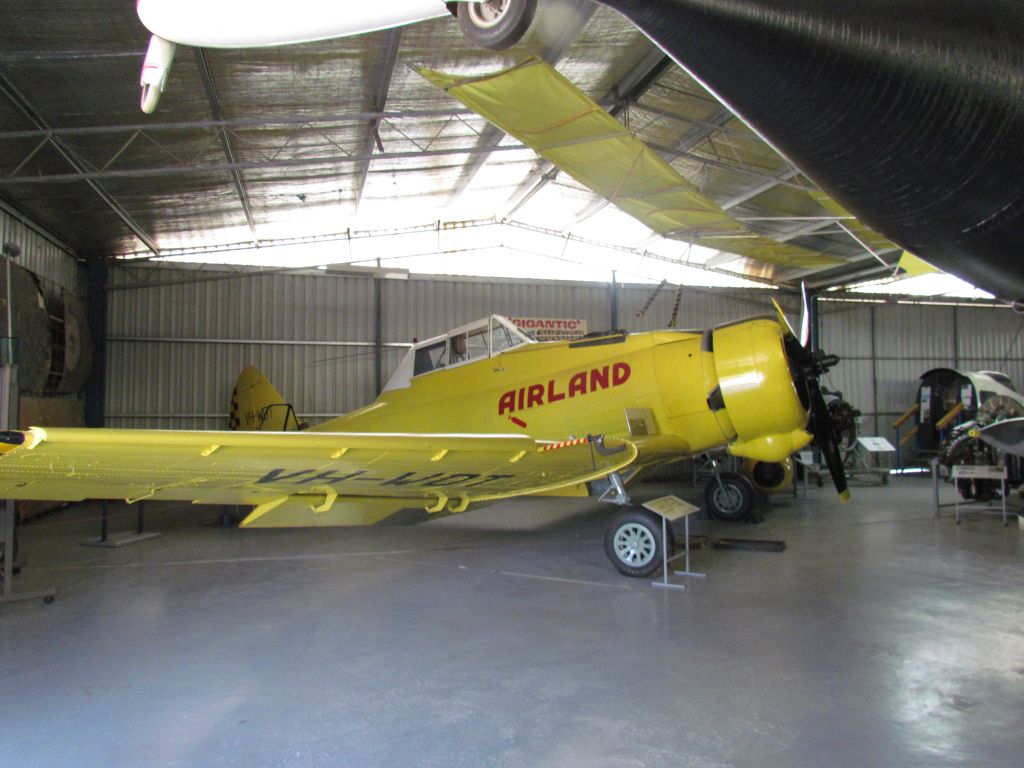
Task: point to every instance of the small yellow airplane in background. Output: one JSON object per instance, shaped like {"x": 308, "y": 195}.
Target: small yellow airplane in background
{"x": 477, "y": 414}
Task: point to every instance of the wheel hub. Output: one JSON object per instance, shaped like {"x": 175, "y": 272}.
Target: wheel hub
{"x": 488, "y": 13}
{"x": 634, "y": 545}
{"x": 728, "y": 499}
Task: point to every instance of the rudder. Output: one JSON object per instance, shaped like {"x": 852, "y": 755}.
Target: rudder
{"x": 256, "y": 405}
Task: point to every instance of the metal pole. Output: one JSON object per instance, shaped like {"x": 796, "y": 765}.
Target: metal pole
{"x": 378, "y": 335}
{"x": 8, "y": 539}
{"x": 615, "y": 303}
{"x": 10, "y": 319}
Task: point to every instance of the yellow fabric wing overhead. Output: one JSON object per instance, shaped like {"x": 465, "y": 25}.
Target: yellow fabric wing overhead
{"x": 909, "y": 264}
{"x": 536, "y": 105}
{"x": 913, "y": 266}
{"x": 293, "y": 478}
{"x": 867, "y": 236}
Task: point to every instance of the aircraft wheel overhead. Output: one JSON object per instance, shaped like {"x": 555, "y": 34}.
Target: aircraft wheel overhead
{"x": 634, "y": 544}
{"x": 496, "y": 24}
{"x": 730, "y": 497}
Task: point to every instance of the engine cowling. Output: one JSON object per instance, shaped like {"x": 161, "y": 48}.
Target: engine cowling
{"x": 756, "y": 399}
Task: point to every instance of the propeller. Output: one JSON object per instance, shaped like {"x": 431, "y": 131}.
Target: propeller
{"x": 807, "y": 365}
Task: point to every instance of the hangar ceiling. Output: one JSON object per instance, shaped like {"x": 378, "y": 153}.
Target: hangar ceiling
{"x": 269, "y": 145}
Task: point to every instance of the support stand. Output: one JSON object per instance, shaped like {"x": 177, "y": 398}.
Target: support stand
{"x": 857, "y": 463}
{"x": 968, "y": 472}
{"x": 122, "y": 539}
{"x": 671, "y": 508}
{"x": 8, "y": 596}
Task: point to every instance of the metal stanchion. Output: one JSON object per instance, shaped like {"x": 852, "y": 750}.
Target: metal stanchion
{"x": 671, "y": 508}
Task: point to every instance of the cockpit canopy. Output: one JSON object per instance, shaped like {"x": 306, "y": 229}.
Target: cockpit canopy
{"x": 465, "y": 344}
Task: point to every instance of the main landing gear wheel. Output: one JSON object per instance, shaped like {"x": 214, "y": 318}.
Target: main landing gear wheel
{"x": 729, "y": 497}
{"x": 496, "y": 24}
{"x": 634, "y": 544}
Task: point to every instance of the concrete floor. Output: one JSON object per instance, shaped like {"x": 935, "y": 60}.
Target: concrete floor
{"x": 503, "y": 637}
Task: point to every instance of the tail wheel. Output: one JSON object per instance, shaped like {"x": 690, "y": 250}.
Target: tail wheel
{"x": 634, "y": 544}
{"x": 729, "y": 497}
{"x": 496, "y": 24}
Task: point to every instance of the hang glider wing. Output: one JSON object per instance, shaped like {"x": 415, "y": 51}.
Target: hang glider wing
{"x": 538, "y": 106}
{"x": 297, "y": 478}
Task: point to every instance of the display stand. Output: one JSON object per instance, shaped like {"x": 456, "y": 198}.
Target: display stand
{"x": 122, "y": 539}
{"x": 670, "y": 509}
{"x": 968, "y": 472}
{"x": 8, "y": 595}
{"x": 857, "y": 459}
{"x": 805, "y": 460}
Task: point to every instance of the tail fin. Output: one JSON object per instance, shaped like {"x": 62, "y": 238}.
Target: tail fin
{"x": 257, "y": 406}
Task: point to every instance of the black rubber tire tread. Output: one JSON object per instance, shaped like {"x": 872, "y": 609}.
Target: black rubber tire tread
{"x": 652, "y": 523}
{"x": 734, "y": 483}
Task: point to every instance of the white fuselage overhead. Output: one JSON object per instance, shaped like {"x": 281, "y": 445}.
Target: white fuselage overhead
{"x": 257, "y": 23}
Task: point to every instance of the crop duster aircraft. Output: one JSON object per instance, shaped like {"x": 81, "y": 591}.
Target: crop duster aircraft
{"x": 478, "y": 414}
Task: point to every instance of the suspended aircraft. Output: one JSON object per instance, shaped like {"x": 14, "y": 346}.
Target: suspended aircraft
{"x": 491, "y": 24}
{"x": 909, "y": 114}
{"x": 477, "y": 414}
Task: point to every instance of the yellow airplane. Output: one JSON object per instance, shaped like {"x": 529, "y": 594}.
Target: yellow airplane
{"x": 477, "y": 414}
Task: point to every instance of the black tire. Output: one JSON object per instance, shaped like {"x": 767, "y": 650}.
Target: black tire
{"x": 633, "y": 543}
{"x": 496, "y": 24}
{"x": 729, "y": 497}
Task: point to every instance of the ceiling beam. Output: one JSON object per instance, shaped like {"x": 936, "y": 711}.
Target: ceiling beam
{"x": 760, "y": 189}
{"x": 247, "y": 165}
{"x": 392, "y": 43}
{"x": 225, "y": 141}
{"x": 81, "y": 171}
{"x": 313, "y": 123}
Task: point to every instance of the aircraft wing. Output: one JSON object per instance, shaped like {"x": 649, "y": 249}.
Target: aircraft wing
{"x": 297, "y": 478}
{"x": 541, "y": 108}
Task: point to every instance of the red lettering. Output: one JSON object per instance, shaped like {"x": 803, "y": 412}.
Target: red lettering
{"x": 554, "y": 397}
{"x": 580, "y": 383}
{"x": 535, "y": 396}
{"x": 620, "y": 373}
{"x": 507, "y": 402}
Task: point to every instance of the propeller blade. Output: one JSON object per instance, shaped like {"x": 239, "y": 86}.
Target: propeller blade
{"x": 783, "y": 320}
{"x": 821, "y": 428}
{"x": 805, "y": 317}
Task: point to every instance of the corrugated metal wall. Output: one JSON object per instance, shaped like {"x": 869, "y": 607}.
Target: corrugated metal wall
{"x": 178, "y": 337}
{"x": 886, "y": 347}
{"x": 176, "y": 340}
{"x": 41, "y": 255}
